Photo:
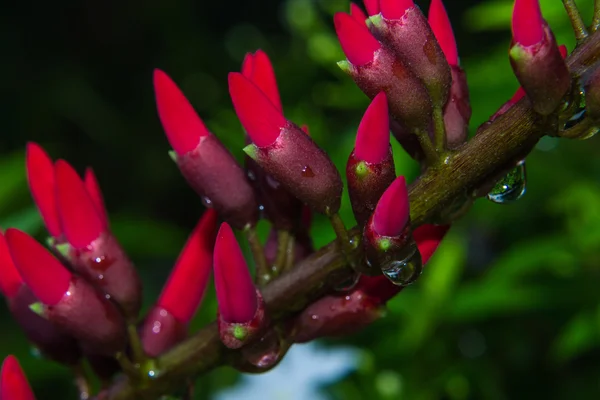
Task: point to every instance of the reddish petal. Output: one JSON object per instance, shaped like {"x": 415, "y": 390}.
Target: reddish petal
{"x": 395, "y": 9}
{"x": 10, "y": 280}
{"x": 519, "y": 94}
{"x": 236, "y": 294}
{"x": 527, "y": 22}
{"x": 259, "y": 117}
{"x": 392, "y": 211}
{"x": 357, "y": 13}
{"x": 428, "y": 238}
{"x": 442, "y": 29}
{"x": 373, "y": 137}
{"x": 356, "y": 40}
{"x": 248, "y": 65}
{"x": 182, "y": 125}
{"x": 13, "y": 382}
{"x": 563, "y": 50}
{"x": 93, "y": 189}
{"x": 185, "y": 288}
{"x": 47, "y": 278}
{"x": 40, "y": 174}
{"x": 263, "y": 76}
{"x": 372, "y": 6}
{"x": 79, "y": 217}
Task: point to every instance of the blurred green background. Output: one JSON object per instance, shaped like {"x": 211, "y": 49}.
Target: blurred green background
{"x": 508, "y": 308}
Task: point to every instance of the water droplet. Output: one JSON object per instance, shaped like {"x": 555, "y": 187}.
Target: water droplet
{"x": 307, "y": 172}
{"x": 347, "y": 284}
{"x": 206, "y": 202}
{"x": 251, "y": 175}
{"x": 266, "y": 352}
{"x": 404, "y": 272}
{"x": 151, "y": 373}
{"x": 511, "y": 187}
{"x": 35, "y": 352}
{"x": 579, "y": 112}
{"x": 100, "y": 264}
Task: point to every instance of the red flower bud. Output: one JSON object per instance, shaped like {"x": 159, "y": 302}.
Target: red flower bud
{"x": 536, "y": 59}
{"x": 392, "y": 212}
{"x": 405, "y": 30}
{"x": 40, "y": 175}
{"x": 370, "y": 167}
{"x": 67, "y": 301}
{"x": 52, "y": 342}
{"x": 442, "y": 29}
{"x": 283, "y": 150}
{"x": 258, "y": 69}
{"x": 375, "y": 69}
{"x": 166, "y": 323}
{"x": 241, "y": 309}
{"x": 357, "y": 42}
{"x": 94, "y": 253}
{"x": 206, "y": 164}
{"x": 13, "y": 382}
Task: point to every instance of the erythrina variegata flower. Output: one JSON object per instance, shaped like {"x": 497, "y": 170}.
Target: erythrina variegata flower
{"x": 283, "y": 150}
{"x": 370, "y": 167}
{"x": 536, "y": 59}
{"x": 205, "y": 163}
{"x": 13, "y": 382}
{"x": 357, "y": 13}
{"x": 95, "y": 252}
{"x": 51, "y": 341}
{"x": 241, "y": 308}
{"x": 405, "y": 30}
{"x": 66, "y": 300}
{"x": 166, "y": 323}
{"x": 375, "y": 68}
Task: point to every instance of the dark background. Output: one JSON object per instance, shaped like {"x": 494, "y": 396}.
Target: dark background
{"x": 509, "y": 307}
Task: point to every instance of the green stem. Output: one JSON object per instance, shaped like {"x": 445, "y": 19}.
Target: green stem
{"x": 342, "y": 235}
{"x": 289, "y": 261}
{"x": 137, "y": 350}
{"x": 263, "y": 274}
{"x": 82, "y": 381}
{"x": 283, "y": 238}
{"x": 430, "y": 154}
{"x": 596, "y": 19}
{"x": 439, "y": 129}
{"x": 576, "y": 20}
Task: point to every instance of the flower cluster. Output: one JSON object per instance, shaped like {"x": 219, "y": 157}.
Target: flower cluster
{"x": 79, "y": 298}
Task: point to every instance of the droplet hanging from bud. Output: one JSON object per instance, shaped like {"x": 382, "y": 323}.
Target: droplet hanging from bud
{"x": 406, "y": 271}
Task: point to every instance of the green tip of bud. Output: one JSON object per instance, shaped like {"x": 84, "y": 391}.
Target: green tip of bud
{"x": 517, "y": 52}
{"x": 361, "y": 169}
{"x": 240, "y": 332}
{"x": 252, "y": 151}
{"x": 375, "y": 21}
{"x": 344, "y": 66}
{"x": 63, "y": 249}
{"x": 37, "y": 308}
{"x": 173, "y": 155}
{"x": 384, "y": 244}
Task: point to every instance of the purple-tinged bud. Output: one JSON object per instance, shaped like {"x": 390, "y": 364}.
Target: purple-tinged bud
{"x": 166, "y": 323}
{"x": 205, "y": 163}
{"x": 374, "y": 69}
{"x": 94, "y": 251}
{"x": 536, "y": 59}
{"x": 388, "y": 240}
{"x": 403, "y": 28}
{"x": 283, "y": 150}
{"x": 67, "y": 301}
{"x": 592, "y": 95}
{"x": 370, "y": 167}
{"x": 13, "y": 382}
{"x": 281, "y": 207}
{"x": 241, "y": 307}
{"x": 51, "y": 342}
